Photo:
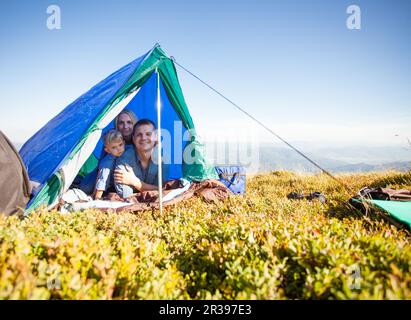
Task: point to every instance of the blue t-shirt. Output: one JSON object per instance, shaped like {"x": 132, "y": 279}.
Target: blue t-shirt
{"x": 102, "y": 177}
{"x": 148, "y": 175}
{"x": 105, "y": 173}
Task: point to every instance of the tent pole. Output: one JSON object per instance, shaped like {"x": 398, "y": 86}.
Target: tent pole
{"x": 160, "y": 173}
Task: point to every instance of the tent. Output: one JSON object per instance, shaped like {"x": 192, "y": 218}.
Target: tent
{"x": 70, "y": 143}
{"x": 14, "y": 183}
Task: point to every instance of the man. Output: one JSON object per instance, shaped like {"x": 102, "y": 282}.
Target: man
{"x": 135, "y": 169}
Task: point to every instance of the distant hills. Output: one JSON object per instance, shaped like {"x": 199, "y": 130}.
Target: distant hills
{"x": 402, "y": 166}
{"x": 337, "y": 160}
{"x": 364, "y": 154}
{"x": 334, "y": 159}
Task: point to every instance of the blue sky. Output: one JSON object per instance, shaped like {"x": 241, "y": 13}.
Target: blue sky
{"x": 292, "y": 64}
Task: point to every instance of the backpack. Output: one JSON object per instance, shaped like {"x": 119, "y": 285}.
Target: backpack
{"x": 233, "y": 177}
{"x": 385, "y": 194}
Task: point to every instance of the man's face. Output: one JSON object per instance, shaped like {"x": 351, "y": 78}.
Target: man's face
{"x": 116, "y": 148}
{"x": 144, "y": 137}
{"x": 125, "y": 125}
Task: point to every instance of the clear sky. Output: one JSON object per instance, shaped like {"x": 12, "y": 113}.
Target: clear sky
{"x": 293, "y": 64}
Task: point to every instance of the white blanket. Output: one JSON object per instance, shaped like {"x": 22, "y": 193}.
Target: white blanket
{"x": 77, "y": 200}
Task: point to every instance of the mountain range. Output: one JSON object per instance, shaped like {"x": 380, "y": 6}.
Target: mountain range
{"x": 334, "y": 159}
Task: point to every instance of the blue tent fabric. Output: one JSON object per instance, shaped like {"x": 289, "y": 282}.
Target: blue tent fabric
{"x": 49, "y": 147}
{"x": 144, "y": 106}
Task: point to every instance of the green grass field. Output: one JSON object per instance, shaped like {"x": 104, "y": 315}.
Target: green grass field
{"x": 259, "y": 246}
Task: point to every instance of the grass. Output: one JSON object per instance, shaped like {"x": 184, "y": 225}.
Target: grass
{"x": 259, "y": 246}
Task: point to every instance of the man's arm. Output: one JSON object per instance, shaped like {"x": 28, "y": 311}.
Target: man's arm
{"x": 148, "y": 187}
{"x": 124, "y": 181}
{"x": 123, "y": 187}
{"x": 125, "y": 175}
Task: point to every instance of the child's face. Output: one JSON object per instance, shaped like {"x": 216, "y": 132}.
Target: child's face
{"x": 115, "y": 148}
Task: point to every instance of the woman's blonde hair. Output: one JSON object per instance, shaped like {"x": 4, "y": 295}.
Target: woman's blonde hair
{"x": 129, "y": 113}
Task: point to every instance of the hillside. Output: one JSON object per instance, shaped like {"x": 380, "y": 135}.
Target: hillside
{"x": 337, "y": 160}
{"x": 259, "y": 246}
{"x": 269, "y": 157}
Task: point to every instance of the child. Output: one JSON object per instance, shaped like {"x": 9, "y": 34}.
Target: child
{"x": 114, "y": 145}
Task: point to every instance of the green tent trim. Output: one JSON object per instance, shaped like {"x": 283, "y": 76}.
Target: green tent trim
{"x": 400, "y": 210}
{"x": 396, "y": 212}
{"x": 48, "y": 194}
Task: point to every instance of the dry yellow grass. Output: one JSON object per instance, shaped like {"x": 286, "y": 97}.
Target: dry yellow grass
{"x": 257, "y": 246}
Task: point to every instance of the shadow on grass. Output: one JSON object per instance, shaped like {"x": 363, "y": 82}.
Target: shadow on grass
{"x": 343, "y": 210}
{"x": 204, "y": 274}
{"x": 298, "y": 266}
{"x": 294, "y": 277}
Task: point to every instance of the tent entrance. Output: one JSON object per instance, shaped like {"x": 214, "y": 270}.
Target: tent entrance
{"x": 143, "y": 105}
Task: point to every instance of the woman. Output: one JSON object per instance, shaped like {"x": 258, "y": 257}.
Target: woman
{"x": 124, "y": 123}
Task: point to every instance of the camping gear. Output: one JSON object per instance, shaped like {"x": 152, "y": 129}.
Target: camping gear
{"x": 385, "y": 194}
{"x": 14, "y": 183}
{"x": 316, "y": 195}
{"x": 395, "y": 204}
{"x": 295, "y": 196}
{"x": 233, "y": 178}
{"x": 70, "y": 144}
{"x": 311, "y": 196}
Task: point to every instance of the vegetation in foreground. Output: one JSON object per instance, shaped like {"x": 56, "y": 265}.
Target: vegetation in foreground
{"x": 259, "y": 246}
